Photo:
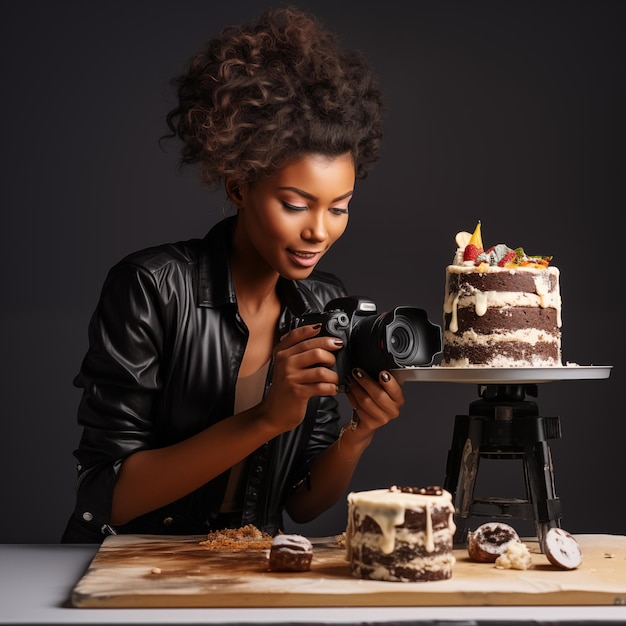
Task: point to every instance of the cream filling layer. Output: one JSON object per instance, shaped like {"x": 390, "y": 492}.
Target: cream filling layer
{"x": 483, "y": 300}
{"x": 530, "y": 336}
{"x": 502, "y": 361}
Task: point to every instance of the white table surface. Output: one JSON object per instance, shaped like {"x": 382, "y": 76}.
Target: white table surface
{"x": 36, "y": 581}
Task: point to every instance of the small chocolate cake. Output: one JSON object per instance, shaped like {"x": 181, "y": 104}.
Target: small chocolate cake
{"x": 562, "y": 549}
{"x": 290, "y": 553}
{"x": 490, "y": 540}
{"x": 401, "y": 534}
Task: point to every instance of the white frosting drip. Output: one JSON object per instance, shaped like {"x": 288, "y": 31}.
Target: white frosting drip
{"x": 387, "y": 509}
{"x": 451, "y": 305}
{"x": 481, "y": 302}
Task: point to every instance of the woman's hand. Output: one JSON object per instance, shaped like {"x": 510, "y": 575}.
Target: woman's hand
{"x": 376, "y": 402}
{"x": 302, "y": 363}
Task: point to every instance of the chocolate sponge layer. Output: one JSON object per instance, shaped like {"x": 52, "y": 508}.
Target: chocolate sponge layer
{"x": 505, "y": 319}
{"x": 514, "y": 351}
{"x": 399, "y": 565}
{"x": 498, "y": 281}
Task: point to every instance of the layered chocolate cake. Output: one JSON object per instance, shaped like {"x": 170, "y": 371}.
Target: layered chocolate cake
{"x": 401, "y": 534}
{"x": 502, "y": 308}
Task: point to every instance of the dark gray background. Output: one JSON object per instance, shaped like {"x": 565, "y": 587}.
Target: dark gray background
{"x": 507, "y": 112}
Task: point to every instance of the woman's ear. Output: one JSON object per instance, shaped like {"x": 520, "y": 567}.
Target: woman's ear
{"x": 233, "y": 190}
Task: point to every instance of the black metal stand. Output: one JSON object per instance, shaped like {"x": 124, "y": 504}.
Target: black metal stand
{"x": 502, "y": 424}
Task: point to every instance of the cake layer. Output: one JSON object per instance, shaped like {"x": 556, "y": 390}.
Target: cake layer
{"x": 402, "y": 566}
{"x": 481, "y": 301}
{"x": 499, "y": 279}
{"x": 502, "y": 354}
{"x": 408, "y": 546}
{"x": 497, "y": 321}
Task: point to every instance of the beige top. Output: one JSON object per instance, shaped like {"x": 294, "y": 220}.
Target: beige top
{"x": 248, "y": 392}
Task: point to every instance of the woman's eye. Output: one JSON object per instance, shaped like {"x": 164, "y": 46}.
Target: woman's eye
{"x": 338, "y": 211}
{"x": 293, "y": 207}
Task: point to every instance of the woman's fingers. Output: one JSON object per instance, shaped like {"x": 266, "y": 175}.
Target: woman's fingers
{"x": 301, "y": 348}
{"x": 298, "y": 335}
{"x": 379, "y": 399}
{"x": 304, "y": 359}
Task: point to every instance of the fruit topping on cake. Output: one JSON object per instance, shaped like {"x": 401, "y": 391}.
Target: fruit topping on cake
{"x": 470, "y": 252}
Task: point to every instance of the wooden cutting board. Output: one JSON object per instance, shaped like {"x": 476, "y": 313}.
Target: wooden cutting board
{"x": 170, "y": 571}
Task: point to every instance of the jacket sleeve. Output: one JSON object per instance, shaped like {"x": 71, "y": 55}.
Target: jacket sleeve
{"x": 119, "y": 377}
{"x": 323, "y": 435}
{"x": 323, "y": 412}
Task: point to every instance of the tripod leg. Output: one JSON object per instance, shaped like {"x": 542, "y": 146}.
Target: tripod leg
{"x": 455, "y": 454}
{"x": 462, "y": 468}
{"x": 539, "y": 478}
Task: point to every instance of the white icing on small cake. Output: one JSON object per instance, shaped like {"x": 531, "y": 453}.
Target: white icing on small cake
{"x": 296, "y": 542}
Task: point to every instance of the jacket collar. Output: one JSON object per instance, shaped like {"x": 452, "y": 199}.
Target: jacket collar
{"x": 215, "y": 283}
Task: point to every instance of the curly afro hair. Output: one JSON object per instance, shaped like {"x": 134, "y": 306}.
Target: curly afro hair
{"x": 262, "y": 94}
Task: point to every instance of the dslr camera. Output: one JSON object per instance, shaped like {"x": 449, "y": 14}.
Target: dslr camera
{"x": 402, "y": 337}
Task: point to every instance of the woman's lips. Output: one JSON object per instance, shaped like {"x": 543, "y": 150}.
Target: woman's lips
{"x": 304, "y": 258}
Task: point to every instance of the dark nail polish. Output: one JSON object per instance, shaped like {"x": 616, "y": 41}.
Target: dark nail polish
{"x": 357, "y": 373}
{"x": 384, "y": 376}
{"x": 317, "y": 326}
{"x": 338, "y": 342}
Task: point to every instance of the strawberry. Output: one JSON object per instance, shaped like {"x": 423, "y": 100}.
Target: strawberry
{"x": 509, "y": 256}
{"x": 471, "y": 252}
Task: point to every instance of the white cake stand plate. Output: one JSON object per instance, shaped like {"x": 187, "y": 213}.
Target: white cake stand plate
{"x": 500, "y": 375}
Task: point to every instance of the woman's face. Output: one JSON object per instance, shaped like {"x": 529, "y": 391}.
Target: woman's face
{"x": 287, "y": 222}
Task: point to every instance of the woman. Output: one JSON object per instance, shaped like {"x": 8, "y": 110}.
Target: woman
{"x": 200, "y": 409}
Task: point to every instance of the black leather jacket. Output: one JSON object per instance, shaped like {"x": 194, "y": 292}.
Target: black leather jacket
{"x": 165, "y": 345}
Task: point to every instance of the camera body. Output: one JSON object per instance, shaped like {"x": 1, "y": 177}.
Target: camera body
{"x": 402, "y": 337}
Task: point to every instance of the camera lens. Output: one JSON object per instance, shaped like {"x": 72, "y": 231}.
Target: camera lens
{"x": 401, "y": 341}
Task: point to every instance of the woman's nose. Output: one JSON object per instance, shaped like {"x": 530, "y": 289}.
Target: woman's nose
{"x": 315, "y": 229}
